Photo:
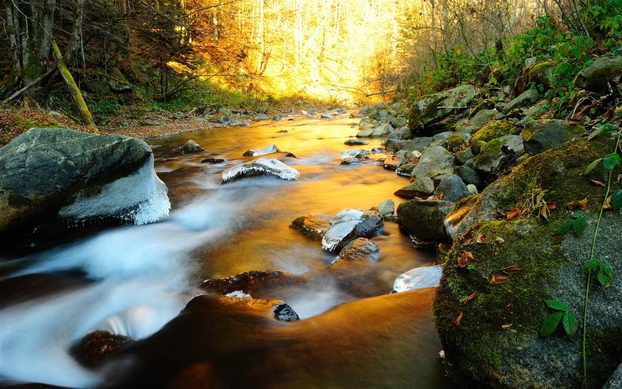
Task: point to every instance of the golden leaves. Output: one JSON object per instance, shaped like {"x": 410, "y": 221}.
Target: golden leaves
{"x": 465, "y": 259}
{"x": 578, "y": 204}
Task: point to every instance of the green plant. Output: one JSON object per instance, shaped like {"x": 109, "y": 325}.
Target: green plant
{"x": 561, "y": 315}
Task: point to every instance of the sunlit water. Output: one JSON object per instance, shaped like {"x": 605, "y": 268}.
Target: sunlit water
{"x": 141, "y": 277}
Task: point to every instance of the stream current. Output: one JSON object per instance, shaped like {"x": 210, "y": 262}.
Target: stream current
{"x": 132, "y": 280}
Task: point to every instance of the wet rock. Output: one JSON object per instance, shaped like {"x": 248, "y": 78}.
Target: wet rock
{"x": 213, "y": 160}
{"x": 434, "y": 161}
{"x": 419, "y": 144}
{"x": 431, "y": 109}
{"x": 355, "y": 142}
{"x": 405, "y": 170}
{"x": 526, "y": 98}
{"x": 350, "y": 224}
{"x": 270, "y": 149}
{"x": 387, "y": 209}
{"x": 420, "y": 187}
{"x": 75, "y": 177}
{"x": 260, "y": 116}
{"x": 450, "y": 187}
{"x": 360, "y": 249}
{"x": 354, "y": 155}
{"x": 97, "y": 347}
{"x": 382, "y": 130}
{"x": 418, "y": 278}
{"x": 313, "y": 226}
{"x": 258, "y": 167}
{"x": 541, "y": 135}
{"x": 246, "y": 282}
{"x": 284, "y": 312}
{"x": 599, "y": 73}
{"x": 392, "y": 162}
{"x": 424, "y": 218}
{"x": 190, "y": 147}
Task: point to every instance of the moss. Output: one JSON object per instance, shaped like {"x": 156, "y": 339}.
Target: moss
{"x": 455, "y": 142}
{"x": 493, "y": 130}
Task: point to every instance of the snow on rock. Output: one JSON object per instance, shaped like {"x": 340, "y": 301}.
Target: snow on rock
{"x": 260, "y": 166}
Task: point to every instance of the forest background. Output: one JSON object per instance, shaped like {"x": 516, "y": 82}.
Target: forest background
{"x": 176, "y": 54}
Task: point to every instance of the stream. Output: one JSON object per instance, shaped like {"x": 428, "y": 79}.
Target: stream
{"x": 133, "y": 280}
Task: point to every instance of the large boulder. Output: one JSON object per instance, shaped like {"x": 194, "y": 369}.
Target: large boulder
{"x": 540, "y": 135}
{"x": 429, "y": 110}
{"x": 499, "y": 271}
{"x": 600, "y": 72}
{"x": 498, "y": 154}
{"x": 52, "y": 175}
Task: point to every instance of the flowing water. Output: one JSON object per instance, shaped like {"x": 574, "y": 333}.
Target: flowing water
{"x": 133, "y": 280}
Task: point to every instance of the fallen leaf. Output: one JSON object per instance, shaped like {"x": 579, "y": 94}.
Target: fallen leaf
{"x": 481, "y": 238}
{"x": 508, "y": 305}
{"x": 598, "y": 183}
{"x": 496, "y": 251}
{"x": 551, "y": 205}
{"x": 505, "y": 326}
{"x": 545, "y": 212}
{"x": 465, "y": 258}
{"x": 499, "y": 240}
{"x": 510, "y": 270}
{"x": 471, "y": 297}
{"x": 515, "y": 212}
{"x": 498, "y": 279}
{"x": 579, "y": 204}
{"x": 458, "y": 319}
{"x": 498, "y": 215}
{"x": 607, "y": 204}
{"x": 439, "y": 196}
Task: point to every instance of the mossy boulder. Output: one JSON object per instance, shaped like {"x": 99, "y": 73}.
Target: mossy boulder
{"x": 540, "y": 135}
{"x": 497, "y": 153}
{"x": 540, "y": 73}
{"x": 498, "y": 272}
{"x": 597, "y": 74}
{"x": 495, "y": 129}
{"x": 431, "y": 109}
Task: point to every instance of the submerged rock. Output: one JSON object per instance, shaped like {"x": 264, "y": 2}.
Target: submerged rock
{"x": 246, "y": 282}
{"x": 418, "y": 278}
{"x": 52, "y": 175}
{"x": 349, "y": 224}
{"x": 258, "y": 167}
{"x": 190, "y": 147}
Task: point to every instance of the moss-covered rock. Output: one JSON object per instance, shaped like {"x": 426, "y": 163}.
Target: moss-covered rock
{"x": 499, "y": 271}
{"x": 431, "y": 109}
{"x": 495, "y": 129}
{"x": 596, "y": 75}
{"x": 540, "y": 135}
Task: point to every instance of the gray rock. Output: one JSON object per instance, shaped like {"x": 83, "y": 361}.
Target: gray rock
{"x": 314, "y": 226}
{"x": 431, "y": 109}
{"x": 259, "y": 117}
{"x": 260, "y": 166}
{"x": 418, "y": 278}
{"x": 190, "y": 147}
{"x": 469, "y": 176}
{"x": 419, "y": 144}
{"x": 387, "y": 209}
{"x": 270, "y": 149}
{"x": 528, "y": 97}
{"x": 424, "y": 218}
{"x": 615, "y": 381}
{"x": 420, "y": 187}
{"x": 382, "y": 130}
{"x": 354, "y": 154}
{"x": 355, "y": 142}
{"x": 350, "y": 224}
{"x": 435, "y": 160}
{"x": 61, "y": 173}
{"x": 541, "y": 135}
{"x": 492, "y": 155}
{"x": 283, "y": 312}
{"x": 360, "y": 249}
{"x": 451, "y": 187}
{"x": 405, "y": 170}
{"x": 597, "y": 74}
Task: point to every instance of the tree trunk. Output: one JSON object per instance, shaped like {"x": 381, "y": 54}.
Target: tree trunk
{"x": 73, "y": 88}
